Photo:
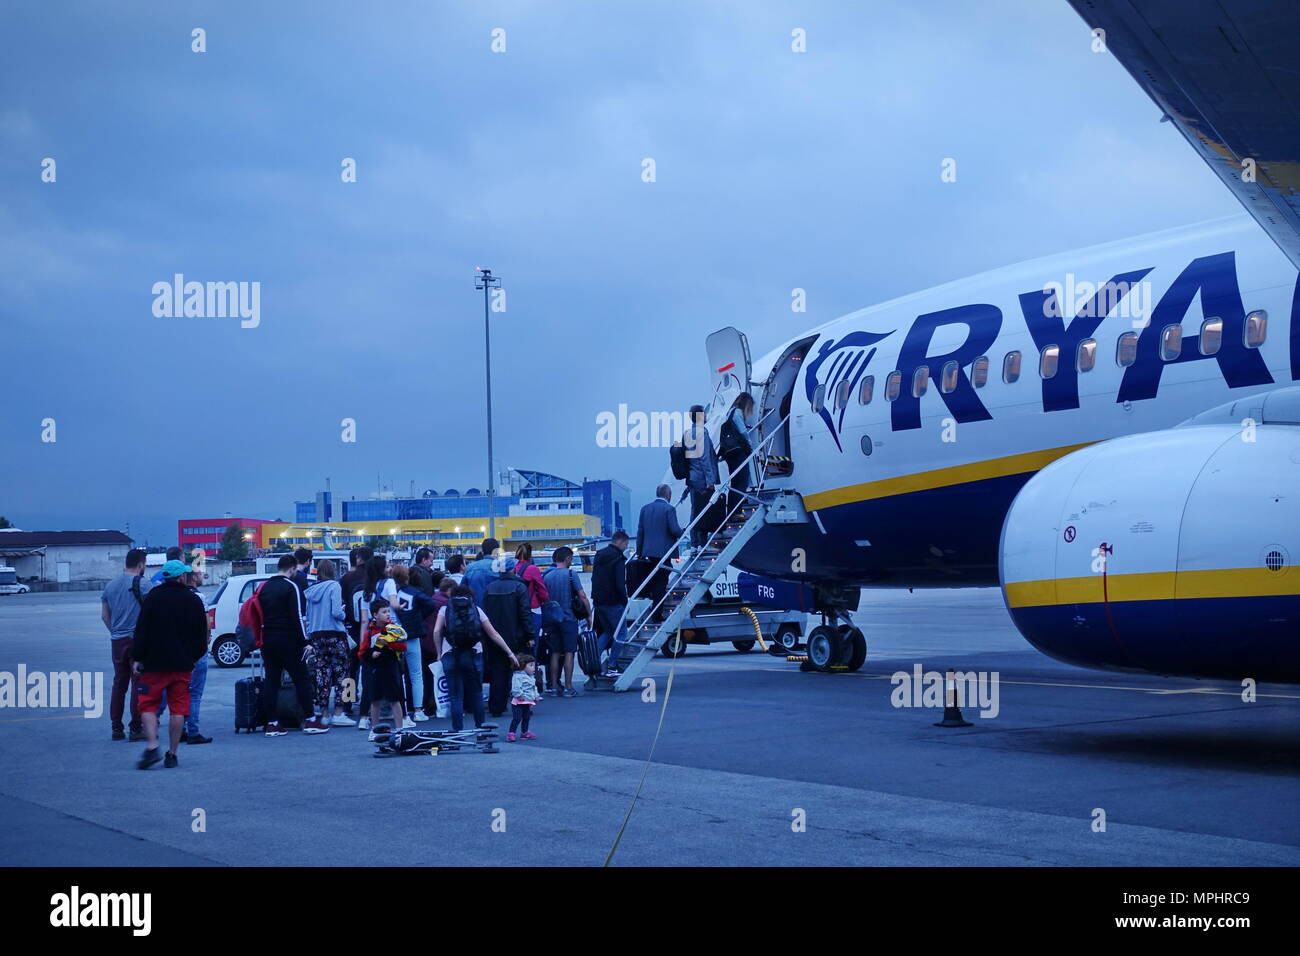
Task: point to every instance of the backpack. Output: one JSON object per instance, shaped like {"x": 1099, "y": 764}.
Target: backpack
{"x": 677, "y": 461}
{"x": 249, "y": 630}
{"x": 731, "y": 441}
{"x": 463, "y": 627}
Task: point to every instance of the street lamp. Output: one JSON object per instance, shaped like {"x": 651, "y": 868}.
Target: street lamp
{"x": 486, "y": 281}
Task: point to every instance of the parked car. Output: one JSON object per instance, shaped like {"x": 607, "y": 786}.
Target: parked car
{"x": 223, "y": 617}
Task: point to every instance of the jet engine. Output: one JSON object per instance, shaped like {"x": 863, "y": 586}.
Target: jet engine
{"x": 1170, "y": 552}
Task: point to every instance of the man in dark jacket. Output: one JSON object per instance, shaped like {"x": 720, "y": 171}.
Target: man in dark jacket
{"x": 506, "y": 603}
{"x": 657, "y": 533}
{"x": 703, "y": 477}
{"x": 170, "y": 635}
{"x": 285, "y": 648}
{"x": 609, "y": 592}
{"x": 422, "y": 577}
{"x": 304, "y": 558}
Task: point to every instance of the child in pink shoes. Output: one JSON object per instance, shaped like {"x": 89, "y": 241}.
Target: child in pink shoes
{"x": 523, "y": 697}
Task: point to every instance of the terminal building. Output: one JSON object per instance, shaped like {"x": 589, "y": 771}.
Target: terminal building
{"x": 206, "y": 533}
{"x": 542, "y": 509}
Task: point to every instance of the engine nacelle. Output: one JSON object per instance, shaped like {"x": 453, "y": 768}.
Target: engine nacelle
{"x": 1170, "y": 552}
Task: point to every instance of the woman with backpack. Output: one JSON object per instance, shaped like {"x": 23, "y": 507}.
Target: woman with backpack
{"x": 458, "y": 634}
{"x": 528, "y": 572}
{"x": 735, "y": 445}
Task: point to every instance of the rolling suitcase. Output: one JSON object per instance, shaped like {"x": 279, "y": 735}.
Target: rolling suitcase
{"x": 588, "y": 650}
{"x": 248, "y": 698}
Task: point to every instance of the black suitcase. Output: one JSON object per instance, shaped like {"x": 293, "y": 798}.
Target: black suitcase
{"x": 588, "y": 651}
{"x": 248, "y": 699}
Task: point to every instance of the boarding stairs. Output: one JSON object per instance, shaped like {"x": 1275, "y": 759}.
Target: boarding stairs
{"x": 647, "y": 623}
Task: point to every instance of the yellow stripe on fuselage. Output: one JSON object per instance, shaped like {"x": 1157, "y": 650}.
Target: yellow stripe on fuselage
{"x": 940, "y": 477}
{"x": 1154, "y": 586}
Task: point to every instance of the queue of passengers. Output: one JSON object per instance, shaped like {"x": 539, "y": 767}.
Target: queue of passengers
{"x": 389, "y": 629}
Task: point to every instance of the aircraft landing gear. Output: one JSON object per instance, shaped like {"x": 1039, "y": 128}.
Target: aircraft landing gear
{"x": 836, "y": 647}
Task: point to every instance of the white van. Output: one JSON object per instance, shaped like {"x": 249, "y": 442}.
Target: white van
{"x": 9, "y": 581}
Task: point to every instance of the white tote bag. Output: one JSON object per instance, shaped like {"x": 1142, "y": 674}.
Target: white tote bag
{"x": 441, "y": 699}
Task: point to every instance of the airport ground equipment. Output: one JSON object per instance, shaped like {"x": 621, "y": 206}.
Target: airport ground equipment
{"x": 406, "y": 743}
{"x": 649, "y": 626}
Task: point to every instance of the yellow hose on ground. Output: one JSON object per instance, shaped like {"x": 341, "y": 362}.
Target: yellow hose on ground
{"x": 758, "y": 631}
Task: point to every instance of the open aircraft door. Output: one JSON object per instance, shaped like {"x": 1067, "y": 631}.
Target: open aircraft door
{"x": 729, "y": 368}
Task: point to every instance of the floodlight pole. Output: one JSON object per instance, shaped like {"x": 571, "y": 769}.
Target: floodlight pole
{"x": 486, "y": 281}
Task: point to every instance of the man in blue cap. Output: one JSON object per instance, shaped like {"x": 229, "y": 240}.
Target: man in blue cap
{"x": 170, "y": 635}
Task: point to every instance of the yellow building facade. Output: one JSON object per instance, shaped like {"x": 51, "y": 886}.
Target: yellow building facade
{"x": 541, "y": 531}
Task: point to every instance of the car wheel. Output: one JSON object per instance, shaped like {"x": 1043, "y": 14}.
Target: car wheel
{"x": 227, "y": 652}
{"x": 743, "y": 646}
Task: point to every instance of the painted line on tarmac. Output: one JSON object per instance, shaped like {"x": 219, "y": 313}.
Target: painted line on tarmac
{"x": 1143, "y": 690}
{"x": 783, "y": 666}
{"x": 23, "y": 720}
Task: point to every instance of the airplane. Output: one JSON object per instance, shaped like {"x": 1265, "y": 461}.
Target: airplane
{"x": 1110, "y": 435}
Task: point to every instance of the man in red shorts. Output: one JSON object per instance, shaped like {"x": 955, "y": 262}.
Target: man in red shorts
{"x": 170, "y": 635}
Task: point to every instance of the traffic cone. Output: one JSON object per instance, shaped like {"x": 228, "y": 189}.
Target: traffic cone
{"x": 951, "y": 712}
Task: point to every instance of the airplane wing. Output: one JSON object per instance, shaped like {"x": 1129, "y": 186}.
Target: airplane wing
{"x": 1227, "y": 74}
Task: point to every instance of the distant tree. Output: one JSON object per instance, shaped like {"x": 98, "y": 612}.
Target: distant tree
{"x": 233, "y": 545}
{"x": 382, "y": 542}
{"x": 5, "y": 522}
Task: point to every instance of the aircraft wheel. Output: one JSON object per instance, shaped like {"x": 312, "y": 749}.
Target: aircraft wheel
{"x": 825, "y": 647}
{"x": 855, "y": 647}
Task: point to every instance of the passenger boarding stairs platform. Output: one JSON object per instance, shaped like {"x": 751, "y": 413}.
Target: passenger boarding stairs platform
{"x": 648, "y": 623}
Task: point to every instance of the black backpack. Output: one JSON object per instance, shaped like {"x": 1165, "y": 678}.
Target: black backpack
{"x": 731, "y": 441}
{"x": 677, "y": 459}
{"x": 463, "y": 627}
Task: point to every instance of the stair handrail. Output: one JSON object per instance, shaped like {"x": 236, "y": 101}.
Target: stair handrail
{"x": 720, "y": 489}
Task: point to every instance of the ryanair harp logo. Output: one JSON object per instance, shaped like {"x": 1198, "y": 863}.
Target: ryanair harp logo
{"x": 838, "y": 362}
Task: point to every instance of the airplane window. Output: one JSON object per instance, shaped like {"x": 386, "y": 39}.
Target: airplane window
{"x": 842, "y": 394}
{"x": 1211, "y": 336}
{"x": 866, "y": 445}
{"x": 1256, "y": 329}
{"x": 1171, "y": 342}
{"x": 1011, "y": 367}
{"x": 948, "y": 380}
{"x": 893, "y": 385}
{"x": 1126, "y": 349}
{"x": 868, "y": 386}
{"x": 979, "y": 371}
{"x": 920, "y": 381}
{"x": 818, "y": 395}
{"x": 1049, "y": 360}
{"x": 1087, "y": 356}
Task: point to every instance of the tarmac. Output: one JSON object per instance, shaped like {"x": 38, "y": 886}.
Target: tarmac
{"x": 757, "y": 763}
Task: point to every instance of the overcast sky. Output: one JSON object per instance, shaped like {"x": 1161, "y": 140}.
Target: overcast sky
{"x": 774, "y": 170}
